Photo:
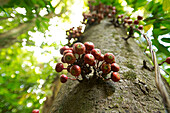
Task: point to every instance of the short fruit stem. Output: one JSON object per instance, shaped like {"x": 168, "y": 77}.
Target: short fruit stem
{"x": 161, "y": 63}
{"x": 71, "y": 78}
{"x": 107, "y": 79}
{"x": 98, "y": 63}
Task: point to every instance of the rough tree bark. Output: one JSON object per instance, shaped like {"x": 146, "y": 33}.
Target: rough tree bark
{"x": 136, "y": 91}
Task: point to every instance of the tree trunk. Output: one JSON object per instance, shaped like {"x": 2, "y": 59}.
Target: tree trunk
{"x": 135, "y": 92}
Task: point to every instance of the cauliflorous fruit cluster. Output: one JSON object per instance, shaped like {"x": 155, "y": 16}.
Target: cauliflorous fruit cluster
{"x": 83, "y": 58}
{"x": 126, "y": 21}
{"x": 132, "y": 25}
{"x": 74, "y": 34}
{"x": 98, "y": 12}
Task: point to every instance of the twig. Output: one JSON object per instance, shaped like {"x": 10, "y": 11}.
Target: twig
{"x": 158, "y": 78}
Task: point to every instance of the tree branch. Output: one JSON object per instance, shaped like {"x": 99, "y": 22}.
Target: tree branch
{"x": 58, "y": 4}
{"x": 158, "y": 79}
{"x": 4, "y": 18}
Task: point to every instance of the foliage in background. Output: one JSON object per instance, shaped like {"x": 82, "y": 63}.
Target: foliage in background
{"x": 21, "y": 80}
{"x": 24, "y": 82}
{"x": 157, "y": 18}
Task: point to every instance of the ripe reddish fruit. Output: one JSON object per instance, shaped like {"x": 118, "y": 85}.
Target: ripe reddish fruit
{"x": 68, "y": 68}
{"x": 89, "y": 46}
{"x": 115, "y": 67}
{"x": 67, "y": 51}
{"x": 35, "y": 111}
{"x": 125, "y": 20}
{"x": 107, "y": 10}
{"x": 69, "y": 58}
{"x": 136, "y": 22}
{"x": 140, "y": 17}
{"x": 110, "y": 7}
{"x": 75, "y": 70}
{"x": 62, "y": 60}
{"x": 127, "y": 17}
{"x": 87, "y": 52}
{"x": 113, "y": 12}
{"x": 94, "y": 15}
{"x": 105, "y": 68}
{"x": 89, "y": 59}
{"x": 167, "y": 60}
{"x": 129, "y": 21}
{"x": 78, "y": 34}
{"x": 140, "y": 27}
{"x": 63, "y": 49}
{"x": 109, "y": 15}
{"x": 119, "y": 16}
{"x": 109, "y": 58}
{"x": 96, "y": 53}
{"x": 79, "y": 28}
{"x": 114, "y": 8}
{"x": 101, "y": 57}
{"x": 59, "y": 67}
{"x": 93, "y": 64}
{"x": 115, "y": 76}
{"x": 63, "y": 78}
{"x": 100, "y": 16}
{"x": 79, "y": 48}
{"x": 73, "y": 31}
{"x": 71, "y": 48}
{"x": 92, "y": 20}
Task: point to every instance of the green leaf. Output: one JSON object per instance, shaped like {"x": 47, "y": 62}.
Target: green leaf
{"x": 157, "y": 9}
{"x": 42, "y": 3}
{"x": 149, "y": 6}
{"x": 160, "y": 47}
{"x": 45, "y": 19}
{"x": 34, "y": 1}
{"x": 45, "y": 25}
{"x": 4, "y": 11}
{"x": 136, "y": 3}
{"x": 166, "y": 40}
{"x": 168, "y": 71}
{"x": 157, "y": 32}
{"x": 37, "y": 23}
{"x": 150, "y": 20}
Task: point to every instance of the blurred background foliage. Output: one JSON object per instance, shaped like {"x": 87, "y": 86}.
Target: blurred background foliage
{"x": 31, "y": 32}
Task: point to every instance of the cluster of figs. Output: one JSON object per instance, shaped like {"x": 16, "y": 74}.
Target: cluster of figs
{"x": 83, "y": 59}
{"x": 100, "y": 11}
{"x": 74, "y": 33}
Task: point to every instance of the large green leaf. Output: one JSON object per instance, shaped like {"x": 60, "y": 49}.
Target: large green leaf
{"x": 160, "y": 47}
{"x": 166, "y": 40}
{"x": 158, "y": 32}
{"x": 136, "y": 3}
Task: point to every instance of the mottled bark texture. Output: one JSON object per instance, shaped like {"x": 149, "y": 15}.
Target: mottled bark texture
{"x": 135, "y": 93}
